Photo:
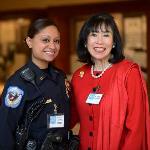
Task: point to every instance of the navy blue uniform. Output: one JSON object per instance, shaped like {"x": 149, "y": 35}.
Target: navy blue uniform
{"x": 51, "y": 83}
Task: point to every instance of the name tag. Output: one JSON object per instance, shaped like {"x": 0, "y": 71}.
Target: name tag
{"x": 55, "y": 121}
{"x": 94, "y": 98}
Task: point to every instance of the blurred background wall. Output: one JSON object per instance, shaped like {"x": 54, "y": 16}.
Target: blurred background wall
{"x": 132, "y": 17}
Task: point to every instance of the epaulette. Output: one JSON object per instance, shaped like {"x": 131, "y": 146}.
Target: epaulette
{"x": 59, "y": 71}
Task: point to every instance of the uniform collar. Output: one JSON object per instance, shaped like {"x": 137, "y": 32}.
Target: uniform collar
{"x": 40, "y": 75}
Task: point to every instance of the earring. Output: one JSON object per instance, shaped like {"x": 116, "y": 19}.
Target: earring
{"x": 30, "y": 46}
{"x": 113, "y": 46}
{"x": 85, "y": 45}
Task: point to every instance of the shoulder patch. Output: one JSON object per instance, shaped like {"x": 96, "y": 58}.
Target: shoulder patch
{"x": 13, "y": 96}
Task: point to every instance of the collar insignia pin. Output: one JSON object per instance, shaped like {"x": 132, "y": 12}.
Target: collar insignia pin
{"x": 42, "y": 77}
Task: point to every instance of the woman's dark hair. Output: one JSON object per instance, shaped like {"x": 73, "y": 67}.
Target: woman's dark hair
{"x": 92, "y": 25}
{"x": 37, "y": 25}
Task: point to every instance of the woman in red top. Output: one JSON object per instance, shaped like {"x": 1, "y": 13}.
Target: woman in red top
{"x": 109, "y": 94}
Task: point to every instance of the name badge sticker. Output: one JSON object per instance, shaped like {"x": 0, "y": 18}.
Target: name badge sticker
{"x": 94, "y": 98}
{"x": 55, "y": 120}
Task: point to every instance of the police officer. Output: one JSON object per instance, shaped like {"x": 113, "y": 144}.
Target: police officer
{"x": 35, "y": 99}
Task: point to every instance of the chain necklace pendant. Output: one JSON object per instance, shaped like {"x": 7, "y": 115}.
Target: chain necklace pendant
{"x": 100, "y": 75}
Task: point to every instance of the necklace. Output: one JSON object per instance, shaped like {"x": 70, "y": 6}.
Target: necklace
{"x": 98, "y": 76}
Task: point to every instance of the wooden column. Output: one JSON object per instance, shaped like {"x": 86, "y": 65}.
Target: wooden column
{"x": 63, "y": 59}
{"x": 148, "y": 51}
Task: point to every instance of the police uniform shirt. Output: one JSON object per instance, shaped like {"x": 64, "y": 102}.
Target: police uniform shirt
{"x": 18, "y": 95}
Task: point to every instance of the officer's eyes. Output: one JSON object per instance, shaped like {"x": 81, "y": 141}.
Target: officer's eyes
{"x": 57, "y": 41}
{"x": 45, "y": 40}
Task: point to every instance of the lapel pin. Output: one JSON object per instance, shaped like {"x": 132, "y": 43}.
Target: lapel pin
{"x": 81, "y": 74}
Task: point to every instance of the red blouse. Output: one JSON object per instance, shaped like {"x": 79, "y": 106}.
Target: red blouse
{"x": 118, "y": 122}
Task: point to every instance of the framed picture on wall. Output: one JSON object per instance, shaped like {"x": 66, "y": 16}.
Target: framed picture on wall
{"x": 135, "y": 32}
{"x": 135, "y": 44}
